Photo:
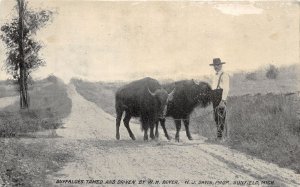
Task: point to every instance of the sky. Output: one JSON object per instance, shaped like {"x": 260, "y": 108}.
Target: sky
{"x": 108, "y": 41}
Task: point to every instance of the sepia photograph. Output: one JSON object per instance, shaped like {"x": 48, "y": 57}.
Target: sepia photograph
{"x": 149, "y": 93}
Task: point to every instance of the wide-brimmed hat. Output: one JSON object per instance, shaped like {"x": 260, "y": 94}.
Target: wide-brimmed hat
{"x": 217, "y": 61}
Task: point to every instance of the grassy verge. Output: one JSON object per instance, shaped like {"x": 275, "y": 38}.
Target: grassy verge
{"x": 49, "y": 104}
{"x": 266, "y": 126}
{"x": 102, "y": 94}
{"x": 28, "y": 164}
{"x": 7, "y": 89}
{"x": 27, "y": 161}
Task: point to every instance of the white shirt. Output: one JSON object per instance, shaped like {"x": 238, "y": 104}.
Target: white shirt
{"x": 224, "y": 83}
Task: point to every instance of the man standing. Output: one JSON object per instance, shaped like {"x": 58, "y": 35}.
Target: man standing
{"x": 220, "y": 86}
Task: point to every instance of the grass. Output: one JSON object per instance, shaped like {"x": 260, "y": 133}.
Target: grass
{"x": 27, "y": 162}
{"x": 243, "y": 83}
{"x": 7, "y": 88}
{"x": 102, "y": 94}
{"x": 265, "y": 126}
{"x": 49, "y": 104}
{"x": 268, "y": 127}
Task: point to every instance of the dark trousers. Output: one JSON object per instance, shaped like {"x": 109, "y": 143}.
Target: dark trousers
{"x": 220, "y": 116}
{"x": 219, "y": 112}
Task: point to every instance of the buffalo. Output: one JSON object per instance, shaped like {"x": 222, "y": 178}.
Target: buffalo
{"x": 188, "y": 95}
{"x": 144, "y": 98}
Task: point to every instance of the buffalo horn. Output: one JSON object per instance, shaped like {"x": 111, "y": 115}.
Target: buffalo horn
{"x": 194, "y": 81}
{"x": 171, "y": 95}
{"x": 151, "y": 93}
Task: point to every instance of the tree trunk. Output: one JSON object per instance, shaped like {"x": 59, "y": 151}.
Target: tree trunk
{"x": 23, "y": 69}
{"x": 23, "y": 88}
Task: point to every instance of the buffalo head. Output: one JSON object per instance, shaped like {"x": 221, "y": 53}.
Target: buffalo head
{"x": 203, "y": 95}
{"x": 163, "y": 98}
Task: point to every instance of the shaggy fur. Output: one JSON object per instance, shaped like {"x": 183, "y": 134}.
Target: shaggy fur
{"x": 187, "y": 97}
{"x": 137, "y": 101}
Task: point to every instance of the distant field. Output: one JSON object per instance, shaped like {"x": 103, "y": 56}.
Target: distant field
{"x": 103, "y": 94}
{"x": 256, "y": 82}
{"x": 7, "y": 89}
{"x": 262, "y": 114}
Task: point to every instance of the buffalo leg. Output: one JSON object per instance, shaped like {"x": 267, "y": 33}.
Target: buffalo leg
{"x": 187, "y": 130}
{"x": 145, "y": 125}
{"x": 162, "y": 123}
{"x": 178, "y": 126}
{"x": 146, "y": 134}
{"x": 151, "y": 131}
{"x": 126, "y": 123}
{"x": 118, "y": 122}
{"x": 156, "y": 129}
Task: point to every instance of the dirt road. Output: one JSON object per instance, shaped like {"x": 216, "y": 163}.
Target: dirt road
{"x": 90, "y": 133}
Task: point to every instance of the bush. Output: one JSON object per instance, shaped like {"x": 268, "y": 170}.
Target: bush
{"x": 251, "y": 76}
{"x": 14, "y": 124}
{"x": 52, "y": 78}
{"x": 272, "y": 72}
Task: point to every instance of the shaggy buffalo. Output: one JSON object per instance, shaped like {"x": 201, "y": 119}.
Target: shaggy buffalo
{"x": 144, "y": 98}
{"x": 188, "y": 95}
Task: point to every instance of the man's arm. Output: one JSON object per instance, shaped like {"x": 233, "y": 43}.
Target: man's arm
{"x": 225, "y": 86}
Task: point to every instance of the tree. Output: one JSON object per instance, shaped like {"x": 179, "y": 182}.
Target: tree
{"x": 22, "y": 47}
